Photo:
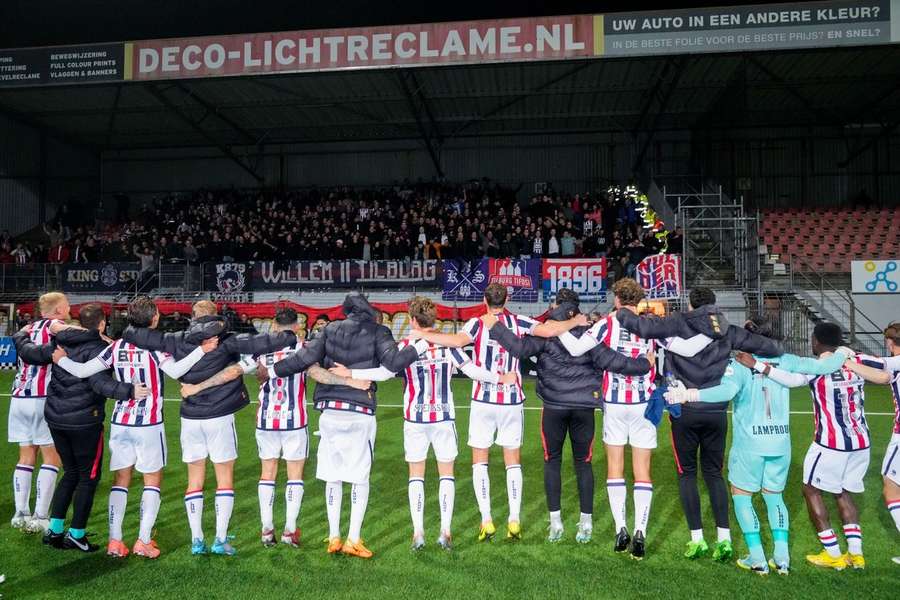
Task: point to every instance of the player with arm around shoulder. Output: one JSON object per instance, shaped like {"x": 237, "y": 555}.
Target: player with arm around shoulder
{"x": 838, "y": 458}
{"x": 760, "y": 454}
{"x": 429, "y": 416}
{"x": 890, "y": 374}
{"x": 497, "y": 411}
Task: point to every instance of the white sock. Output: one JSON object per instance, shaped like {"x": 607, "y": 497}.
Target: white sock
{"x": 22, "y": 488}
{"x": 416, "y": 493}
{"x": 118, "y": 499}
{"x": 854, "y": 538}
{"x": 334, "y": 494}
{"x": 618, "y": 494}
{"x": 446, "y": 497}
{"x": 723, "y": 534}
{"x": 587, "y": 520}
{"x": 696, "y": 535}
{"x": 193, "y": 505}
{"x": 482, "y": 484}
{"x": 556, "y": 519}
{"x": 150, "y": 501}
{"x": 46, "y": 481}
{"x": 514, "y": 491}
{"x": 893, "y": 507}
{"x": 643, "y": 496}
{"x": 224, "y": 506}
{"x": 265, "y": 489}
{"x": 293, "y": 498}
{"x": 359, "y": 500}
{"x": 830, "y": 542}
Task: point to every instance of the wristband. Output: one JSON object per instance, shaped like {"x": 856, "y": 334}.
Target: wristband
{"x": 760, "y": 367}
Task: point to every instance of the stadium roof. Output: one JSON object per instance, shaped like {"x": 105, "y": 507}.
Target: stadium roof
{"x": 834, "y": 87}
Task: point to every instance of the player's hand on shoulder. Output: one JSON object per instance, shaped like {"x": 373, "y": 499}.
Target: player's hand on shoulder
{"x": 850, "y": 353}
{"x": 340, "y": 370}
{"x": 141, "y": 391}
{"x": 58, "y": 355}
{"x": 210, "y": 344}
{"x": 581, "y": 320}
{"x": 745, "y": 359}
{"x": 508, "y": 378}
{"x": 414, "y": 335}
{"x": 262, "y": 373}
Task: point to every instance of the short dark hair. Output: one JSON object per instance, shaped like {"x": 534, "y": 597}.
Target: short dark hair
{"x": 567, "y": 295}
{"x": 701, "y": 296}
{"x": 286, "y": 316}
{"x": 141, "y": 311}
{"x": 495, "y": 295}
{"x": 762, "y": 325}
{"x": 829, "y": 334}
{"x": 323, "y": 317}
{"x": 91, "y": 316}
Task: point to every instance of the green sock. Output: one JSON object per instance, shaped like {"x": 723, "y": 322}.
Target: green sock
{"x": 57, "y": 525}
{"x": 746, "y": 518}
{"x": 76, "y": 533}
{"x": 779, "y": 522}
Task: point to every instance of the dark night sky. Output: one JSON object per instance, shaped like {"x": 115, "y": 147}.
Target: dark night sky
{"x": 53, "y": 22}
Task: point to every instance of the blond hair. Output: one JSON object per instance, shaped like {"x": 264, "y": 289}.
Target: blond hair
{"x": 203, "y": 308}
{"x": 423, "y": 310}
{"x": 49, "y": 302}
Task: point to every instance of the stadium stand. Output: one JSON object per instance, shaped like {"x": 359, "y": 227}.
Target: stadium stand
{"x": 828, "y": 239}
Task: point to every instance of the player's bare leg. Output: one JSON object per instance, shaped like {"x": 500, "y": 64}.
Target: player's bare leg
{"x": 416, "y": 493}
{"x": 224, "y": 506}
{"x": 22, "y": 485}
{"x": 830, "y": 556}
{"x": 643, "y": 498}
{"x": 892, "y": 500}
{"x": 266, "y": 492}
{"x": 852, "y": 532}
{"x": 293, "y": 499}
{"x": 145, "y": 545}
{"x": 118, "y": 500}
{"x": 513, "y": 460}
{"x": 193, "y": 504}
{"x": 44, "y": 486}
{"x": 482, "y": 484}
{"x": 446, "y": 498}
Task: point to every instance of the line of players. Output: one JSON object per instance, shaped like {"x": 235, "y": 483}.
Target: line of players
{"x": 347, "y": 445}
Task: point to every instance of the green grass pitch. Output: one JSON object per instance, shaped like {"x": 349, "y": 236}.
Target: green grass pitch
{"x": 531, "y": 568}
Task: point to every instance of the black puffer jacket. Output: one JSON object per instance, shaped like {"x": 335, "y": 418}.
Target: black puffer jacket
{"x": 705, "y": 369}
{"x": 224, "y": 399}
{"x": 358, "y": 342}
{"x": 74, "y": 403}
{"x": 563, "y": 380}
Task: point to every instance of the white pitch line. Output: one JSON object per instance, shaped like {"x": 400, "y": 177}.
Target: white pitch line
{"x": 465, "y": 406}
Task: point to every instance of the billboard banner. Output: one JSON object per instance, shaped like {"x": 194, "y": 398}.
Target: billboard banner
{"x": 62, "y": 64}
{"x": 499, "y": 40}
{"x": 7, "y": 353}
{"x": 747, "y": 28}
{"x": 875, "y": 276}
{"x": 293, "y": 275}
{"x": 586, "y": 276}
{"x": 762, "y": 27}
{"x": 100, "y": 277}
{"x": 466, "y": 280}
{"x": 660, "y": 276}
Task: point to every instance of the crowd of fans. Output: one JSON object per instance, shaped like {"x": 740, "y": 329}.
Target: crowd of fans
{"x": 406, "y": 221}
